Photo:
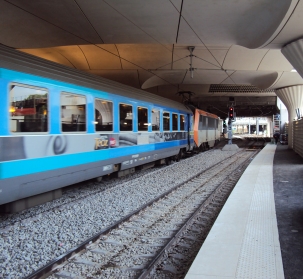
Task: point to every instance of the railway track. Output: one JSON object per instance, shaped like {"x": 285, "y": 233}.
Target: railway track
{"x": 70, "y": 195}
{"x": 159, "y": 239}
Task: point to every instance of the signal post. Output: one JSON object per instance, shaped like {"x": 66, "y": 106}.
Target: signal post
{"x": 231, "y": 117}
{"x": 230, "y": 120}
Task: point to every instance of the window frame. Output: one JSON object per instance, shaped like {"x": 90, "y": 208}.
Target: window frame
{"x": 151, "y": 119}
{"x": 9, "y": 106}
{"x": 147, "y": 130}
{"x": 86, "y": 113}
{"x": 113, "y": 114}
{"x": 119, "y": 125}
{"x": 180, "y": 117}
{"x": 169, "y": 130}
{"x": 172, "y": 117}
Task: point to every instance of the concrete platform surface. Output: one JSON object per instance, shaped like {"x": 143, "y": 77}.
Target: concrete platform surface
{"x": 244, "y": 241}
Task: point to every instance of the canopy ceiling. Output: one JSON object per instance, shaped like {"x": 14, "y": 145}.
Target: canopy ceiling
{"x": 236, "y": 55}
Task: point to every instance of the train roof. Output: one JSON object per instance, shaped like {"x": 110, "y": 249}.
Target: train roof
{"x": 23, "y": 62}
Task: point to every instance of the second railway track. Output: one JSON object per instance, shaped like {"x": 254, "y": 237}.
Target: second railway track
{"x": 160, "y": 239}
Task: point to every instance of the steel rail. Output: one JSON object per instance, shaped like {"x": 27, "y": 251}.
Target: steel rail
{"x": 204, "y": 205}
{"x": 46, "y": 270}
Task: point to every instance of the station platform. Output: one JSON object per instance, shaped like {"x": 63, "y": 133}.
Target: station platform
{"x": 259, "y": 232}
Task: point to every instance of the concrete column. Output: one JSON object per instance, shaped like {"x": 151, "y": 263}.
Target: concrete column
{"x": 292, "y": 98}
{"x": 294, "y": 54}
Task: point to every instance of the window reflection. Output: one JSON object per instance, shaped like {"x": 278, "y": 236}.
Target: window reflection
{"x": 155, "y": 120}
{"x": 73, "y": 112}
{"x": 28, "y": 109}
{"x": 142, "y": 119}
{"x": 166, "y": 121}
{"x": 103, "y": 115}
{"x": 126, "y": 117}
{"x": 175, "y": 122}
{"x": 182, "y": 122}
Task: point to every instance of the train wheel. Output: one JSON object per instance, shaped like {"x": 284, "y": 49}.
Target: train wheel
{"x": 179, "y": 156}
{"x": 183, "y": 153}
{"x": 196, "y": 150}
{"x": 98, "y": 179}
{"x": 167, "y": 161}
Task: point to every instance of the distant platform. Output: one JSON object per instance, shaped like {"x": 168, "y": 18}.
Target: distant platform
{"x": 251, "y": 137}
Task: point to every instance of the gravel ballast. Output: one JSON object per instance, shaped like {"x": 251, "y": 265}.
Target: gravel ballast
{"x": 32, "y": 242}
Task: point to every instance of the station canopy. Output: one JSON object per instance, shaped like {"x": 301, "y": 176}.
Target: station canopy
{"x": 211, "y": 53}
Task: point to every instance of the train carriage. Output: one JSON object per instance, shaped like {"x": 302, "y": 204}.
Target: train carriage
{"x": 207, "y": 129}
{"x": 61, "y": 126}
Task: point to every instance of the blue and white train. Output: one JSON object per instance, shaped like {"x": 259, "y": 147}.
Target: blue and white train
{"x": 61, "y": 126}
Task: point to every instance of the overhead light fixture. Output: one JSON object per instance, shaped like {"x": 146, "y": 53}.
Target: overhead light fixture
{"x": 294, "y": 70}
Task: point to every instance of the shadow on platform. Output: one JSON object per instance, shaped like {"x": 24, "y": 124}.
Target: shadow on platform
{"x": 288, "y": 190}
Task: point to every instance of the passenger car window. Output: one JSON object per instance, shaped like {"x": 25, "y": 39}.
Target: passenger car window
{"x": 204, "y": 122}
{"x": 182, "y": 122}
{"x": 211, "y": 123}
{"x": 28, "y": 109}
{"x": 142, "y": 119}
{"x": 103, "y": 115}
{"x": 175, "y": 122}
{"x": 201, "y": 122}
{"x": 166, "y": 122}
{"x": 155, "y": 120}
{"x": 73, "y": 112}
{"x": 126, "y": 117}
